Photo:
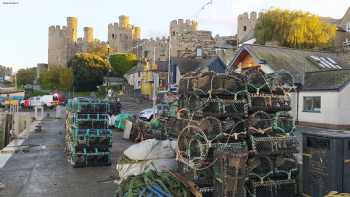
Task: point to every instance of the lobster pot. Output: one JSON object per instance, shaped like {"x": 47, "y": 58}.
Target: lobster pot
{"x": 283, "y": 124}
{"x": 202, "y": 178}
{"x": 272, "y": 188}
{"x": 270, "y": 103}
{"x": 90, "y": 158}
{"x": 86, "y": 105}
{"x": 280, "y": 103}
{"x": 230, "y": 187}
{"x": 203, "y": 82}
{"x": 230, "y": 169}
{"x": 234, "y": 83}
{"x": 274, "y": 145}
{"x": 236, "y": 108}
{"x": 90, "y": 138}
{"x": 89, "y": 121}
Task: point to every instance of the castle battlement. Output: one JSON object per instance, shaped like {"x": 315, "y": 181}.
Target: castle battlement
{"x": 182, "y": 25}
{"x": 246, "y": 16}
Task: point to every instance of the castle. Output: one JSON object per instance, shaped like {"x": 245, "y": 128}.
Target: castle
{"x": 64, "y": 42}
{"x": 185, "y": 41}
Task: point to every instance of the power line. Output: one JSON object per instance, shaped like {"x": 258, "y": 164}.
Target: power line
{"x": 207, "y": 4}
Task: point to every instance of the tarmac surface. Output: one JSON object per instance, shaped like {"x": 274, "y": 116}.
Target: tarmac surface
{"x": 40, "y": 169}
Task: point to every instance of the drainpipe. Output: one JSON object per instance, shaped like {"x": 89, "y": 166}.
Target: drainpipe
{"x": 298, "y": 87}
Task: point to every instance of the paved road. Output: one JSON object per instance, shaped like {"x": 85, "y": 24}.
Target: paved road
{"x": 42, "y": 170}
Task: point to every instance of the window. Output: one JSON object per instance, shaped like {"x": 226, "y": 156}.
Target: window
{"x": 348, "y": 27}
{"x": 113, "y": 36}
{"x": 312, "y": 104}
{"x": 244, "y": 28}
{"x": 199, "y": 52}
{"x": 138, "y": 74}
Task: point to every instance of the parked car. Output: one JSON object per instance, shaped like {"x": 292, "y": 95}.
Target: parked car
{"x": 150, "y": 113}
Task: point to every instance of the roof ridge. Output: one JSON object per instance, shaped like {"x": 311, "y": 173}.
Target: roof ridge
{"x": 288, "y": 48}
{"x": 329, "y": 70}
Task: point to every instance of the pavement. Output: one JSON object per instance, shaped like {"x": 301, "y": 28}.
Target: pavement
{"x": 40, "y": 168}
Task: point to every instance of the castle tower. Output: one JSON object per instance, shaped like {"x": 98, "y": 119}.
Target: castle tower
{"x": 72, "y": 29}
{"x": 88, "y": 34}
{"x": 122, "y": 36}
{"x": 137, "y": 33}
{"x": 246, "y": 26}
{"x": 124, "y": 21}
{"x": 194, "y": 26}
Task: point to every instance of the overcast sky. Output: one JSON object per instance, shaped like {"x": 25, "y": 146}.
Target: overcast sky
{"x": 24, "y": 26}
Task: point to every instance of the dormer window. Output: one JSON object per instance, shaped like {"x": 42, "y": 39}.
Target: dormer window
{"x": 348, "y": 27}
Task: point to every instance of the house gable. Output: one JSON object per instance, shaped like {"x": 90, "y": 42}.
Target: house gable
{"x": 345, "y": 20}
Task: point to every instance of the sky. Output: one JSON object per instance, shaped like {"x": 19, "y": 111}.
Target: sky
{"x": 24, "y": 23}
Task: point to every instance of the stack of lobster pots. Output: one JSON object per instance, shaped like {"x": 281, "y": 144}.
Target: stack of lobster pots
{"x": 88, "y": 138}
{"x": 272, "y": 166}
{"x": 238, "y": 138}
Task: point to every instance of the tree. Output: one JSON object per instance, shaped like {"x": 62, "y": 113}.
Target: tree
{"x": 66, "y": 79}
{"x": 122, "y": 63}
{"x": 294, "y": 29}
{"x": 88, "y": 71}
{"x": 100, "y": 49}
{"x": 57, "y": 77}
{"x": 25, "y": 76}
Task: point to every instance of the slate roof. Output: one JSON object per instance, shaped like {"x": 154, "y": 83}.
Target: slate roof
{"x": 326, "y": 80}
{"x": 295, "y": 61}
{"x": 187, "y": 65}
{"x": 135, "y": 69}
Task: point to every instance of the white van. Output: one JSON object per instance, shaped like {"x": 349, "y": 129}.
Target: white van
{"x": 49, "y": 100}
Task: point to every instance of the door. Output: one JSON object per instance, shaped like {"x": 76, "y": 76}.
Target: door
{"x": 316, "y": 166}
